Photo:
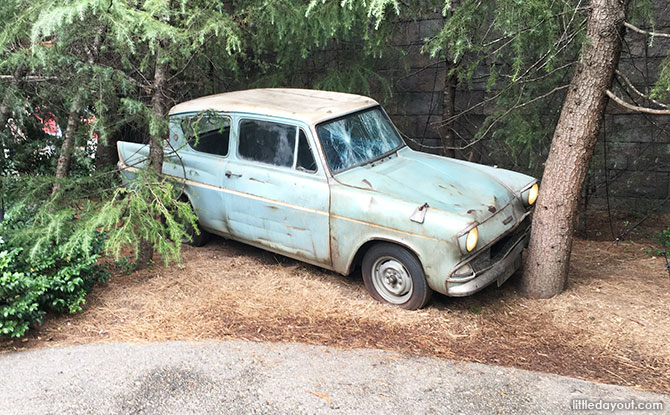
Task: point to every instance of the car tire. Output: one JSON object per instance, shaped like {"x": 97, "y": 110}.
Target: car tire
{"x": 196, "y": 239}
{"x": 394, "y": 275}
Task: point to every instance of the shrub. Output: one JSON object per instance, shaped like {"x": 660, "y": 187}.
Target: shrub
{"x": 20, "y": 295}
{"x": 56, "y": 240}
{"x": 69, "y": 277}
{"x": 46, "y": 278}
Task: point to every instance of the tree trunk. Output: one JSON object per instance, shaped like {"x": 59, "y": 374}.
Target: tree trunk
{"x": 159, "y": 109}
{"x": 572, "y": 147}
{"x": 448, "y": 111}
{"x": 65, "y": 157}
{"x": 17, "y": 76}
{"x": 106, "y": 155}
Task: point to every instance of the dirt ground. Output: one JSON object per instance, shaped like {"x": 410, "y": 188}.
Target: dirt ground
{"x": 611, "y": 325}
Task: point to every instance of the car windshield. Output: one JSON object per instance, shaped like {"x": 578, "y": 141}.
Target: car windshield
{"x": 357, "y": 139}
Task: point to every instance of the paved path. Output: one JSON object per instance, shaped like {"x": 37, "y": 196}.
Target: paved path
{"x": 268, "y": 378}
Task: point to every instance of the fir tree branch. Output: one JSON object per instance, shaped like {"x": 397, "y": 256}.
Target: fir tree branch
{"x": 635, "y": 107}
{"x": 645, "y": 32}
{"x": 32, "y": 78}
{"x": 639, "y": 93}
{"x": 513, "y": 108}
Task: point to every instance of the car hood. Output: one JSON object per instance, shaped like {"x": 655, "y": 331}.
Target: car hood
{"x": 456, "y": 186}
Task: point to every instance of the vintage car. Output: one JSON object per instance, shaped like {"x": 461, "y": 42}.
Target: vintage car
{"x": 325, "y": 178}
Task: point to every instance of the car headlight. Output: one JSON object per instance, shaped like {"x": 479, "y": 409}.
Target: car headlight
{"x": 467, "y": 240}
{"x": 532, "y": 194}
{"x": 529, "y": 195}
{"x": 471, "y": 239}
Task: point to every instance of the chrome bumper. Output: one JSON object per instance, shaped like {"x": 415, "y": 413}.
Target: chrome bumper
{"x": 500, "y": 271}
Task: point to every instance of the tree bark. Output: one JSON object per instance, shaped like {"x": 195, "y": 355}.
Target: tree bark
{"x": 159, "y": 109}
{"x": 65, "y": 157}
{"x": 546, "y": 270}
{"x": 17, "y": 76}
{"x": 106, "y": 155}
{"x": 155, "y": 162}
{"x": 448, "y": 111}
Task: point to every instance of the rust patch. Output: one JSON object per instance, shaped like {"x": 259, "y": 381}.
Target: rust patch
{"x": 492, "y": 209}
{"x": 470, "y": 212}
{"x": 272, "y": 207}
{"x": 251, "y": 179}
{"x": 445, "y": 188}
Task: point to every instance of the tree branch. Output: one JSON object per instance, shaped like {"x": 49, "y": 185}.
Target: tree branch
{"x": 31, "y": 78}
{"x": 635, "y": 107}
{"x": 645, "y": 32}
{"x": 639, "y": 93}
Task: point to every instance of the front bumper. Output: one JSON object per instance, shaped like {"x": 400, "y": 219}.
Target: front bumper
{"x": 499, "y": 268}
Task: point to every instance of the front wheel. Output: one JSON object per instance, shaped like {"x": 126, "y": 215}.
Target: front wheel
{"x": 394, "y": 275}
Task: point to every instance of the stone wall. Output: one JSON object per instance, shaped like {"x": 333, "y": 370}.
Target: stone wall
{"x": 631, "y": 165}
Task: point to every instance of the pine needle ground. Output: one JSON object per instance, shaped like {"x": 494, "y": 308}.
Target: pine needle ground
{"x": 612, "y": 324}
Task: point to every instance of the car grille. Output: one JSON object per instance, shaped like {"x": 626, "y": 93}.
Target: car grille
{"x": 497, "y": 251}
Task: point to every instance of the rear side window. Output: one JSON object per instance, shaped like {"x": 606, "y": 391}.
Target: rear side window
{"x": 267, "y": 142}
{"x": 208, "y": 133}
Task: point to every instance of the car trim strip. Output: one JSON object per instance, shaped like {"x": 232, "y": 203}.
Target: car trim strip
{"x": 124, "y": 166}
{"x": 336, "y": 216}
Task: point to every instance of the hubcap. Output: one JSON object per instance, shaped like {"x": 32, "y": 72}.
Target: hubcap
{"x": 392, "y": 280}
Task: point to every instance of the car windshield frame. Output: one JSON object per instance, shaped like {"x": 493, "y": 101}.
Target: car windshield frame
{"x": 364, "y": 162}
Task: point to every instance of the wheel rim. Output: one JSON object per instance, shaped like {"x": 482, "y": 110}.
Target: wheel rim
{"x": 392, "y": 280}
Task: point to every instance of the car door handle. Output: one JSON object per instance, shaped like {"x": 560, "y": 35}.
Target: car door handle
{"x": 229, "y": 174}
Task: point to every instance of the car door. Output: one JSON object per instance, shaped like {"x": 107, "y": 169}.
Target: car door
{"x": 278, "y": 194}
{"x": 197, "y": 151}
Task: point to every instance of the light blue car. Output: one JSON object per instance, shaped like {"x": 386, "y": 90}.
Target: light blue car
{"x": 325, "y": 178}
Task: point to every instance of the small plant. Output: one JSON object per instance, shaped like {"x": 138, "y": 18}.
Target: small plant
{"x": 126, "y": 265}
{"x": 663, "y": 239}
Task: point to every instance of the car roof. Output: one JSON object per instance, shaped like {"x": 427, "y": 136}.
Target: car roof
{"x": 308, "y": 105}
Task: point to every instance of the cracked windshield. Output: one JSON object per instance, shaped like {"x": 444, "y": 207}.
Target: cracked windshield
{"x": 357, "y": 139}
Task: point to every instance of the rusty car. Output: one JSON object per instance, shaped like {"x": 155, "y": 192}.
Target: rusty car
{"x": 326, "y": 178}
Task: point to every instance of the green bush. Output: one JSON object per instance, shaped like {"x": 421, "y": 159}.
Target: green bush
{"x": 69, "y": 277}
{"x": 42, "y": 278}
{"x": 56, "y": 240}
{"x": 20, "y": 295}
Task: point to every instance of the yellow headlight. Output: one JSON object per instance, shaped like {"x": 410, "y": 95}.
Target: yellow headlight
{"x": 532, "y": 194}
{"x": 471, "y": 240}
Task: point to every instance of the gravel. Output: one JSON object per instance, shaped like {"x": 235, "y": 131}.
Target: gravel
{"x": 268, "y": 378}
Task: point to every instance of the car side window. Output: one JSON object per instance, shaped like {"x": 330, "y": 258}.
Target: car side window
{"x": 267, "y": 142}
{"x": 306, "y": 161}
{"x": 208, "y": 133}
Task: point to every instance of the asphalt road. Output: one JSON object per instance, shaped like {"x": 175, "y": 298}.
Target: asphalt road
{"x": 268, "y": 378}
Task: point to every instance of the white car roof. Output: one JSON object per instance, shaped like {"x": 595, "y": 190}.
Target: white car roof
{"x": 307, "y": 105}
